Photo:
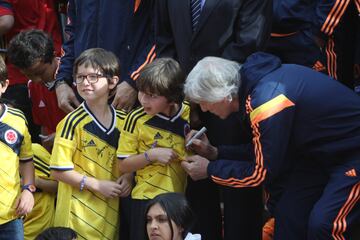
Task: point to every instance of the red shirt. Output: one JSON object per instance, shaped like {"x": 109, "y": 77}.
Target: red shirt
{"x": 45, "y": 110}
{"x": 30, "y": 14}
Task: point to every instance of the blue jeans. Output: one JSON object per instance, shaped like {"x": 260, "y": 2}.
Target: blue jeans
{"x": 13, "y": 230}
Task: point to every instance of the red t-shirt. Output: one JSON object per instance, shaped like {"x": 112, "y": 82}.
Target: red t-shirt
{"x": 45, "y": 108}
{"x": 30, "y": 14}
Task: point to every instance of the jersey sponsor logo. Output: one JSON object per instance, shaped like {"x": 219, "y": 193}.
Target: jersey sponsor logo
{"x": 11, "y": 136}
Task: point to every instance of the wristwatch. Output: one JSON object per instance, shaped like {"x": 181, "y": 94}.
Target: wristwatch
{"x": 30, "y": 187}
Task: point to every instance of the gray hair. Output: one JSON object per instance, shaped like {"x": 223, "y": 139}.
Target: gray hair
{"x": 213, "y": 79}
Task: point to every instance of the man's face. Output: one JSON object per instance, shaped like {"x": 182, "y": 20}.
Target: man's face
{"x": 41, "y": 72}
{"x": 222, "y": 109}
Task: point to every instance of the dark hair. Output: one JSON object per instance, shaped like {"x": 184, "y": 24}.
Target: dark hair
{"x": 3, "y": 71}
{"x": 29, "y": 46}
{"x": 99, "y": 59}
{"x": 57, "y": 233}
{"x": 176, "y": 208}
{"x": 162, "y": 77}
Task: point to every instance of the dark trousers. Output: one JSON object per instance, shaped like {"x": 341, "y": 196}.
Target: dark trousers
{"x": 242, "y": 207}
{"x": 335, "y": 58}
{"x": 320, "y": 201}
{"x": 243, "y": 213}
{"x": 137, "y": 219}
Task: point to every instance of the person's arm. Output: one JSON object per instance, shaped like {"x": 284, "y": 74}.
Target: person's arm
{"x": 6, "y": 17}
{"x": 328, "y": 15}
{"x": 136, "y": 162}
{"x": 108, "y": 189}
{"x": 67, "y": 100}
{"x": 271, "y": 122}
{"x": 252, "y": 30}
{"x": 25, "y": 202}
{"x": 46, "y": 185}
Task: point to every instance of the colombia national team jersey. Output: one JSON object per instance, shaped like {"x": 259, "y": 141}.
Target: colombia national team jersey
{"x": 142, "y": 132}
{"x": 83, "y": 144}
{"x": 15, "y": 145}
{"x": 42, "y": 215}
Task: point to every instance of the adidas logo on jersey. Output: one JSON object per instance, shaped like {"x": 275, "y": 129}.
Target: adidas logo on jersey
{"x": 91, "y": 143}
{"x": 158, "y": 136}
{"x": 351, "y": 173}
{"x": 41, "y": 104}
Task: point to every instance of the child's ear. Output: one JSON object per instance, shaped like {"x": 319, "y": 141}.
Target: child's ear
{"x": 113, "y": 82}
{"x": 5, "y": 84}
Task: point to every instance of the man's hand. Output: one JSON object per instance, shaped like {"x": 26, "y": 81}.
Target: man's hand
{"x": 195, "y": 121}
{"x": 125, "y": 97}
{"x": 196, "y": 167}
{"x": 24, "y": 203}
{"x": 66, "y": 98}
{"x": 126, "y": 184}
{"x": 202, "y": 146}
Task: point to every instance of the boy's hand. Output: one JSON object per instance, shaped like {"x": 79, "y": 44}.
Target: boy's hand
{"x": 126, "y": 184}
{"x": 109, "y": 189}
{"x": 202, "y": 146}
{"x": 24, "y": 203}
{"x": 162, "y": 155}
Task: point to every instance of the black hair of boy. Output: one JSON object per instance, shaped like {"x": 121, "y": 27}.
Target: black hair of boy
{"x": 176, "y": 208}
{"x": 3, "y": 72}
{"x": 162, "y": 77}
{"x": 28, "y": 47}
{"x": 100, "y": 59}
{"x": 57, "y": 233}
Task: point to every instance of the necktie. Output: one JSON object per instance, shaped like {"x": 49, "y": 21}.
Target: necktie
{"x": 195, "y": 6}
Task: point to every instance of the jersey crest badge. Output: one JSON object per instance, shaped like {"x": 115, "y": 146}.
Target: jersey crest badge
{"x": 11, "y": 136}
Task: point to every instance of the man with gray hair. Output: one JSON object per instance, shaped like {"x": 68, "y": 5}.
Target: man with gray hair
{"x": 304, "y": 140}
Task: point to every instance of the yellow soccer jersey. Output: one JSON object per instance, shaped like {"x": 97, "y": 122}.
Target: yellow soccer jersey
{"x": 83, "y": 144}
{"x": 142, "y": 132}
{"x": 15, "y": 145}
{"x": 42, "y": 215}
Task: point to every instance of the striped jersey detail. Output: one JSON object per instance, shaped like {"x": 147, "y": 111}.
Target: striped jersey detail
{"x": 72, "y": 121}
{"x": 131, "y": 120}
{"x": 334, "y": 16}
{"x": 339, "y": 225}
{"x": 259, "y": 173}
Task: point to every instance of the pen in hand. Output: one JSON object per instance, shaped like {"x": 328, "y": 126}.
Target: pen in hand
{"x": 195, "y": 136}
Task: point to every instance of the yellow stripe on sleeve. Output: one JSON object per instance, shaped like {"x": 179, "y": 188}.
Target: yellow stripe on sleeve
{"x": 270, "y": 108}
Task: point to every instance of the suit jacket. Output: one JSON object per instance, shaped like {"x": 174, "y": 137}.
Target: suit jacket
{"x": 232, "y": 29}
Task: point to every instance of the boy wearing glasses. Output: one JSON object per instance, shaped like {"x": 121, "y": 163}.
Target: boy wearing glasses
{"x": 84, "y": 154}
{"x": 153, "y": 139}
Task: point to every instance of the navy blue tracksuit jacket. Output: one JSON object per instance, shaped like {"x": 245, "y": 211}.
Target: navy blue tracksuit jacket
{"x": 121, "y": 26}
{"x": 305, "y": 137}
